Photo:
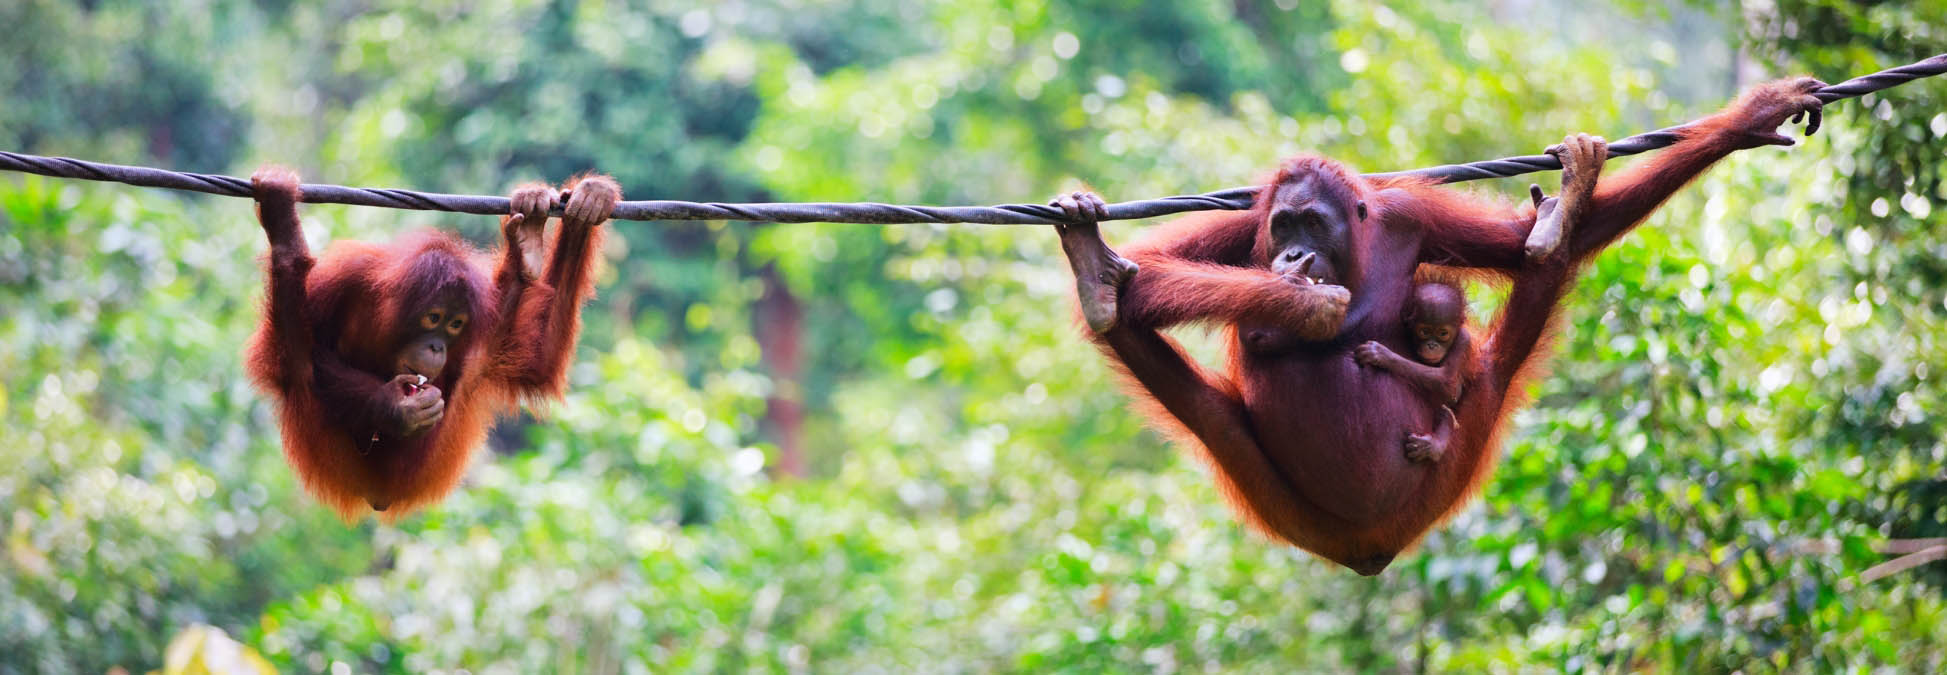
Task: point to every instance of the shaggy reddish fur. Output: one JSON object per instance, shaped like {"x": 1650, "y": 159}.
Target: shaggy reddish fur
{"x": 332, "y": 325}
{"x": 1306, "y": 444}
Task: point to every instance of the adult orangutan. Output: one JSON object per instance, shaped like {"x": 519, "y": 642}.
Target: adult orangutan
{"x": 389, "y": 362}
{"x": 1305, "y": 442}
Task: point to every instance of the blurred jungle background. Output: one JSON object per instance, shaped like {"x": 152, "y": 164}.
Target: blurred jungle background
{"x": 851, "y": 448}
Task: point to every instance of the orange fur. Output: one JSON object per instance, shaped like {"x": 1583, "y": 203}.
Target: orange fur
{"x": 332, "y": 326}
{"x": 1306, "y": 444}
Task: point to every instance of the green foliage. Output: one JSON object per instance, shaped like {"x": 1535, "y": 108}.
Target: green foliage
{"x": 139, "y": 481}
{"x": 1741, "y": 406}
{"x": 120, "y": 78}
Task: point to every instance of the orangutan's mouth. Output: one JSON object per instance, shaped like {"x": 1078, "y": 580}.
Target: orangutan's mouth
{"x": 414, "y": 387}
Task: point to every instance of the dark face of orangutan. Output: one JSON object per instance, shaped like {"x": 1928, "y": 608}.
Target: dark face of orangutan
{"x": 1432, "y": 340}
{"x": 1311, "y": 231}
{"x": 1434, "y": 321}
{"x": 438, "y": 329}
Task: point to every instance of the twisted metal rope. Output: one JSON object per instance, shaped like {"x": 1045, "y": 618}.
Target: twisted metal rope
{"x": 1237, "y": 198}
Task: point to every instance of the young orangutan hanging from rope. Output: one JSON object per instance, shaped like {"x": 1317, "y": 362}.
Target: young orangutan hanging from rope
{"x": 390, "y": 361}
{"x": 1306, "y": 442}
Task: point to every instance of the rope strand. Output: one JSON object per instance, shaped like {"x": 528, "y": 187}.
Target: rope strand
{"x": 1237, "y": 198}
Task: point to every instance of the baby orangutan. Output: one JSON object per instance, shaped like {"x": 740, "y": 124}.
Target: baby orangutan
{"x": 389, "y": 361}
{"x": 1435, "y": 318}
